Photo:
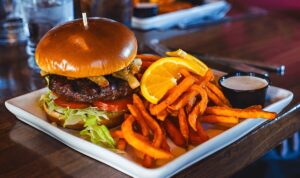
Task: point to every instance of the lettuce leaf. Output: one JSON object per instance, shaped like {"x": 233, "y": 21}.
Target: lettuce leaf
{"x": 91, "y": 116}
{"x": 99, "y": 134}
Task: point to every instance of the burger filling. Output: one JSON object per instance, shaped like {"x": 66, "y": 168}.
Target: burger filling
{"x": 84, "y": 90}
{"x": 109, "y": 87}
{"x": 92, "y": 99}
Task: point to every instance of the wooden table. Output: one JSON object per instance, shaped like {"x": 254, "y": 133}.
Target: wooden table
{"x": 27, "y": 152}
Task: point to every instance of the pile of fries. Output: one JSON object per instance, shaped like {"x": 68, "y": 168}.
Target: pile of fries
{"x": 179, "y": 116}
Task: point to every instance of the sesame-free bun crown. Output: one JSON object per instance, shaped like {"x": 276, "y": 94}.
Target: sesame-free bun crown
{"x": 72, "y": 50}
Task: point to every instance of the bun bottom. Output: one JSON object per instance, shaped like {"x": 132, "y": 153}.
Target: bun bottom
{"x": 57, "y": 118}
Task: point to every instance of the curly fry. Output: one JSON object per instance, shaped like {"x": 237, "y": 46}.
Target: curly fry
{"x": 199, "y": 108}
{"x": 158, "y": 135}
{"x": 140, "y": 120}
{"x": 141, "y": 145}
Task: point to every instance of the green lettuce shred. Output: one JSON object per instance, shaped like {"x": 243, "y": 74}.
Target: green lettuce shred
{"x": 47, "y": 79}
{"x": 91, "y": 116}
{"x": 99, "y": 134}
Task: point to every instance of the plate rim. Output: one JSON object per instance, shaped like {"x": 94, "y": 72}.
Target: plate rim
{"x": 135, "y": 169}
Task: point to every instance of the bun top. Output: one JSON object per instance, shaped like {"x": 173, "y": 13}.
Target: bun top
{"x": 70, "y": 50}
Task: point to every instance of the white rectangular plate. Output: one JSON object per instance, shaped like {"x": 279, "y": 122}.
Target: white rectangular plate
{"x": 27, "y": 109}
{"x": 213, "y": 10}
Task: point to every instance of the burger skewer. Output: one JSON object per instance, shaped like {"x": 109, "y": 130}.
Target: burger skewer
{"x": 85, "y": 21}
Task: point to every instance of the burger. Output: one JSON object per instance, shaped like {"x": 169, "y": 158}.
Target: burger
{"x": 91, "y": 75}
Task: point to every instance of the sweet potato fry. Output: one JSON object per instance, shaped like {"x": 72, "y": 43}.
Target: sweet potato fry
{"x": 164, "y": 145}
{"x": 117, "y": 134}
{"x": 224, "y": 125}
{"x": 178, "y": 90}
{"x": 183, "y": 124}
{"x": 126, "y": 115}
{"x": 186, "y": 73}
{"x": 259, "y": 107}
{"x": 204, "y": 99}
{"x": 194, "y": 138}
{"x": 209, "y": 76}
{"x": 183, "y": 100}
{"x": 219, "y": 119}
{"x": 158, "y": 135}
{"x": 142, "y": 137}
{"x": 240, "y": 113}
{"x": 148, "y": 161}
{"x": 174, "y": 133}
{"x": 150, "y": 108}
{"x": 214, "y": 98}
{"x": 140, "y": 120}
{"x": 201, "y": 132}
{"x": 192, "y": 117}
{"x": 172, "y": 112}
{"x": 121, "y": 144}
{"x": 141, "y": 145}
{"x": 162, "y": 115}
{"x": 199, "y": 108}
{"x": 148, "y": 57}
{"x": 212, "y": 87}
{"x": 190, "y": 105}
{"x": 145, "y": 65}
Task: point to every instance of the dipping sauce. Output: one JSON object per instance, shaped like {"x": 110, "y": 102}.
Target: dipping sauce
{"x": 244, "y": 83}
{"x": 244, "y": 89}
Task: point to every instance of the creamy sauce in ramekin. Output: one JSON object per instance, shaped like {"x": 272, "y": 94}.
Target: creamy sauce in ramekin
{"x": 244, "y": 83}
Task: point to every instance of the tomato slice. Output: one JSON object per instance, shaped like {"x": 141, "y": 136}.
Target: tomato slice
{"x": 69, "y": 104}
{"x": 113, "y": 106}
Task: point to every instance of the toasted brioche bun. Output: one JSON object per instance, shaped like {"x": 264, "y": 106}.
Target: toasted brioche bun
{"x": 55, "y": 117}
{"x": 72, "y": 50}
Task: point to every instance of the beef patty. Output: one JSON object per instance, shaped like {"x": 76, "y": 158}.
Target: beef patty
{"x": 84, "y": 90}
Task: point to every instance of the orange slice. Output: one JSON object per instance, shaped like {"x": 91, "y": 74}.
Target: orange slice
{"x": 190, "y": 58}
{"x": 162, "y": 75}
